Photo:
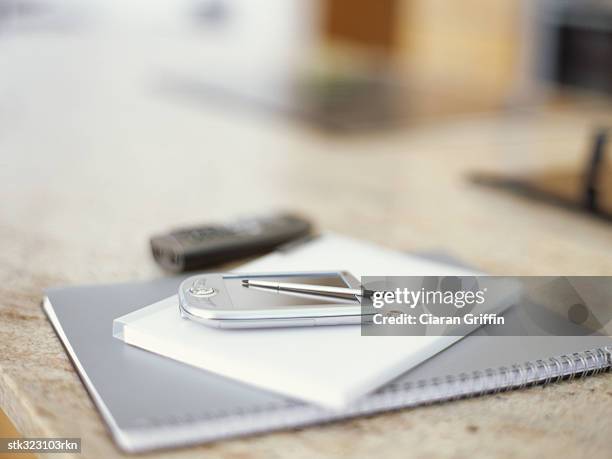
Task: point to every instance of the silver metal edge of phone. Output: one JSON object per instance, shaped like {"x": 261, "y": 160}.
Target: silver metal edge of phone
{"x": 273, "y": 323}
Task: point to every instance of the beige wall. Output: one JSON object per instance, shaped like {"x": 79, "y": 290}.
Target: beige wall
{"x": 468, "y": 44}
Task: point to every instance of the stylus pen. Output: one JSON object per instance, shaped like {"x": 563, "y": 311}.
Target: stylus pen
{"x": 306, "y": 288}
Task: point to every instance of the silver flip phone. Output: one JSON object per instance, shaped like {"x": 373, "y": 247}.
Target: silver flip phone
{"x": 223, "y": 301}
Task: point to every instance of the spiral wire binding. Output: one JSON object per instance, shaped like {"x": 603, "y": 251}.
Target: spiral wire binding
{"x": 494, "y": 380}
{"x": 411, "y": 393}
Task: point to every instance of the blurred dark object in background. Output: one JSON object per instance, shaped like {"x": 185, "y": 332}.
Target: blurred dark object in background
{"x": 578, "y": 43}
{"x": 589, "y": 189}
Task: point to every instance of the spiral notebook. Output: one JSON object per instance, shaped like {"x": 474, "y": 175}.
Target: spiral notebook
{"x": 151, "y": 402}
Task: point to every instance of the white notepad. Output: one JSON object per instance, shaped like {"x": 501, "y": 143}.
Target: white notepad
{"x": 329, "y": 366}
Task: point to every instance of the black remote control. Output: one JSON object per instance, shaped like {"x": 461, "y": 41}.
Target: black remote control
{"x": 197, "y": 247}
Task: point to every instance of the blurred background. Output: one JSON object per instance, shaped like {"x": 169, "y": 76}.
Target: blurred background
{"x": 122, "y": 119}
{"x": 320, "y": 57}
{"x": 335, "y": 60}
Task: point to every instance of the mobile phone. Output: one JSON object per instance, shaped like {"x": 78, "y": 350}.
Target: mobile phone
{"x": 197, "y": 247}
{"x": 221, "y": 300}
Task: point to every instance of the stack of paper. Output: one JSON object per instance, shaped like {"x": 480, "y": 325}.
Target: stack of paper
{"x": 330, "y": 366}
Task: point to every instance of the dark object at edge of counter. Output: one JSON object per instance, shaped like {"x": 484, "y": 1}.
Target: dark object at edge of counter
{"x": 591, "y": 191}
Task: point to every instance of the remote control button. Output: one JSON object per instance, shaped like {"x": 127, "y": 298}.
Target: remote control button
{"x": 208, "y": 233}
